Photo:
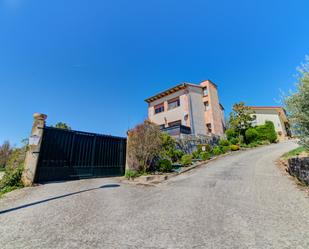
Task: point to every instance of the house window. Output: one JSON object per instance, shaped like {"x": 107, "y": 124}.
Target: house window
{"x": 205, "y": 91}
{"x": 174, "y": 103}
{"x": 175, "y": 123}
{"x": 159, "y": 108}
{"x": 206, "y": 104}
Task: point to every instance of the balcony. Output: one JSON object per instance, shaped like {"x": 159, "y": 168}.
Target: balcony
{"x": 176, "y": 130}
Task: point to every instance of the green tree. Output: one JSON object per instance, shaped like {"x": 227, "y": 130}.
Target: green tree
{"x": 297, "y": 105}
{"x": 61, "y": 125}
{"x": 241, "y": 118}
{"x": 5, "y": 152}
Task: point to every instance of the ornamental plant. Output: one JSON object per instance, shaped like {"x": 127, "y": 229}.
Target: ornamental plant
{"x": 186, "y": 160}
{"x": 165, "y": 165}
{"x": 205, "y": 156}
{"x": 234, "y": 147}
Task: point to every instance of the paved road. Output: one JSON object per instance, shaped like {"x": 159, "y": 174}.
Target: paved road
{"x": 240, "y": 201}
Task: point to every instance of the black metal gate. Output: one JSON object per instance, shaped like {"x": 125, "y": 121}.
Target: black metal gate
{"x": 68, "y": 155}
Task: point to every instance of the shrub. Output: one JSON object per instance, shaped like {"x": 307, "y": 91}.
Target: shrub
{"x": 205, "y": 156}
{"x": 165, "y": 165}
{"x": 234, "y": 140}
{"x": 168, "y": 146}
{"x": 144, "y": 145}
{"x": 177, "y": 154}
{"x": 12, "y": 177}
{"x": 186, "y": 159}
{"x": 267, "y": 132}
{"x": 196, "y": 154}
{"x": 253, "y": 144}
{"x": 207, "y": 147}
{"x": 251, "y": 135}
{"x": 131, "y": 174}
{"x": 13, "y": 171}
{"x": 224, "y": 142}
{"x": 230, "y": 133}
{"x": 216, "y": 150}
{"x": 234, "y": 147}
{"x": 225, "y": 149}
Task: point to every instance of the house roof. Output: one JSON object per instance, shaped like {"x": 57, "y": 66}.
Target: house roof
{"x": 170, "y": 91}
{"x": 279, "y": 109}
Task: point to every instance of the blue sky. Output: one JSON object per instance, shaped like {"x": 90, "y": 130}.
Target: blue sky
{"x": 92, "y": 63}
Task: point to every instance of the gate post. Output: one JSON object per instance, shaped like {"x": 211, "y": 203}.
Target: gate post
{"x": 32, "y": 156}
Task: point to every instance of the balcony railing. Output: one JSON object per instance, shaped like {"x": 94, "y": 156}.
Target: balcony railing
{"x": 176, "y": 130}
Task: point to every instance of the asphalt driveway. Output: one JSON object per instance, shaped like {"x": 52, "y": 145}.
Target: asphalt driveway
{"x": 239, "y": 201}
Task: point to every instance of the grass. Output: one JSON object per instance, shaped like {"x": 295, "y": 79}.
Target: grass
{"x": 8, "y": 189}
{"x": 294, "y": 153}
{"x": 2, "y": 169}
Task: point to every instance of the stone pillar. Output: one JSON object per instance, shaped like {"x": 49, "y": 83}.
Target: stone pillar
{"x": 127, "y": 167}
{"x": 34, "y": 147}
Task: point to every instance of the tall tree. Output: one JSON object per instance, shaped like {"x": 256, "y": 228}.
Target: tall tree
{"x": 297, "y": 105}
{"x": 241, "y": 118}
{"x": 61, "y": 125}
{"x": 5, "y": 152}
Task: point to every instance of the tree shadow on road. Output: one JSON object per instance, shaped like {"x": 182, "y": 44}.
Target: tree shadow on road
{"x": 58, "y": 197}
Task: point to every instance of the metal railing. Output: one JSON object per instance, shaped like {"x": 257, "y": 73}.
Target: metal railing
{"x": 177, "y": 130}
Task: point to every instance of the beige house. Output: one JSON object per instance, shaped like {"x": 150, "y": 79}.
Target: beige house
{"x": 277, "y": 115}
{"x": 188, "y": 109}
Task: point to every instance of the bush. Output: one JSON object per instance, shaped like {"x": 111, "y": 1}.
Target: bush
{"x": 225, "y": 149}
{"x": 216, "y": 150}
{"x": 177, "y": 154}
{"x": 234, "y": 147}
{"x": 230, "y": 133}
{"x": 207, "y": 147}
{"x": 205, "y": 156}
{"x": 131, "y": 174}
{"x": 186, "y": 159}
{"x": 196, "y": 154}
{"x": 144, "y": 146}
{"x": 253, "y": 145}
{"x": 234, "y": 140}
{"x": 251, "y": 135}
{"x": 12, "y": 178}
{"x": 267, "y": 132}
{"x": 168, "y": 149}
{"x": 224, "y": 142}
{"x": 13, "y": 171}
{"x": 165, "y": 165}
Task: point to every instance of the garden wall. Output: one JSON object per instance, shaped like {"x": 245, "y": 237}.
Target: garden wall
{"x": 299, "y": 167}
{"x": 189, "y": 143}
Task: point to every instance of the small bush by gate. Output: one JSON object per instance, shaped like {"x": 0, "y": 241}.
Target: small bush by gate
{"x": 68, "y": 155}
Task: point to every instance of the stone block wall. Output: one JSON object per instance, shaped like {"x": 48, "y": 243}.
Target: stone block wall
{"x": 189, "y": 143}
{"x": 299, "y": 167}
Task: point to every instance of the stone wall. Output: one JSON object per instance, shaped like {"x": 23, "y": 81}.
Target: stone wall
{"x": 299, "y": 167}
{"x": 189, "y": 143}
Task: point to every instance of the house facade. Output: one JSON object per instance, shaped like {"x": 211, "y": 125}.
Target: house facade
{"x": 188, "y": 109}
{"x": 277, "y": 115}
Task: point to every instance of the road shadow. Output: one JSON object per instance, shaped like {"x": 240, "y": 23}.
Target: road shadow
{"x": 58, "y": 197}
